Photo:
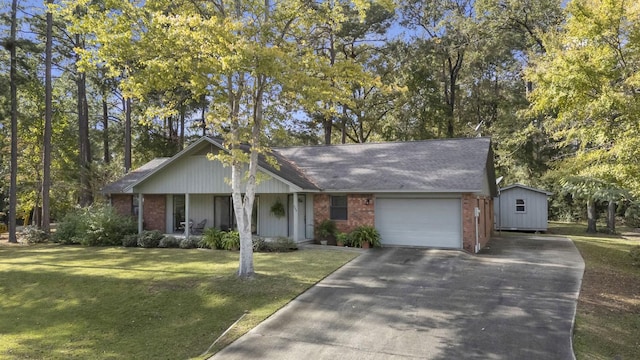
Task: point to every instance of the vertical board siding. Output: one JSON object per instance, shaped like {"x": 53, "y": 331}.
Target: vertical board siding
{"x": 269, "y": 225}
{"x": 198, "y": 175}
{"x": 201, "y": 208}
{"x": 535, "y": 217}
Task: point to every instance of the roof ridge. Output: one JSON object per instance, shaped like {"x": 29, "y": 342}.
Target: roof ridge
{"x": 381, "y": 143}
{"x": 297, "y": 168}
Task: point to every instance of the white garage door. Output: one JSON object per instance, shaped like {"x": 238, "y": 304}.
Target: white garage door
{"x": 419, "y": 222}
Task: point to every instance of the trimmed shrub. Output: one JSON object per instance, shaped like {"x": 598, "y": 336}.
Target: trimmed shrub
{"x": 150, "y": 239}
{"x": 130, "y": 240}
{"x": 169, "y": 242}
{"x": 212, "y": 238}
{"x": 258, "y": 243}
{"x": 634, "y": 253}
{"x": 365, "y": 233}
{"x": 189, "y": 243}
{"x": 281, "y": 244}
{"x": 33, "y": 235}
{"x": 231, "y": 240}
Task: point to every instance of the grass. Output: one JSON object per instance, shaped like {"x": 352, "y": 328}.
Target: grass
{"x": 61, "y": 302}
{"x": 608, "y": 315}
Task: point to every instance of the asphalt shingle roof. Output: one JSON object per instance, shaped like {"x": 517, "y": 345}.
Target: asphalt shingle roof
{"x": 133, "y": 177}
{"x": 446, "y": 165}
{"x": 455, "y": 165}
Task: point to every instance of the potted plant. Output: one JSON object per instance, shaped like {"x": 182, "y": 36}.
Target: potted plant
{"x": 277, "y": 209}
{"x": 342, "y": 239}
{"x": 365, "y": 236}
{"x": 326, "y": 229}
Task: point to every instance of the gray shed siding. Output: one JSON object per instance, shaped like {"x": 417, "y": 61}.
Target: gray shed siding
{"x": 533, "y": 219}
{"x": 198, "y": 175}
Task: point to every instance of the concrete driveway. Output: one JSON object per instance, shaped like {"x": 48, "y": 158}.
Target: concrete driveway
{"x": 516, "y": 300}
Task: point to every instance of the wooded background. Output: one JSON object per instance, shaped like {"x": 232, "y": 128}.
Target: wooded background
{"x": 556, "y": 85}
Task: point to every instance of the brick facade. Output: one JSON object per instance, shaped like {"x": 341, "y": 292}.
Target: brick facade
{"x": 359, "y": 212}
{"x": 154, "y": 213}
{"x": 485, "y": 221}
{"x": 122, "y": 203}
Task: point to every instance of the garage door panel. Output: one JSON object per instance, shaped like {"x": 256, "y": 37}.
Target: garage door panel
{"x": 419, "y": 222}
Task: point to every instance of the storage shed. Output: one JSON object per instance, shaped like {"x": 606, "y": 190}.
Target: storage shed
{"x": 520, "y": 207}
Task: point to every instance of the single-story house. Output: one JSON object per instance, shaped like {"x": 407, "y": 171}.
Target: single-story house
{"x": 522, "y": 208}
{"x": 433, "y": 193}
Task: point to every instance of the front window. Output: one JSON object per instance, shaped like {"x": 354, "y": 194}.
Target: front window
{"x": 520, "y": 206}
{"x": 338, "y": 209}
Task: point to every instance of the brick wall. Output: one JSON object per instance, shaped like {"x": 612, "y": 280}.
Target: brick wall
{"x": 485, "y": 220}
{"x": 122, "y": 203}
{"x": 358, "y": 211}
{"x": 154, "y": 212}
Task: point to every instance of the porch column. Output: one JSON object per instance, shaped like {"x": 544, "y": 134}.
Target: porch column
{"x": 295, "y": 217}
{"x": 140, "y": 213}
{"x": 186, "y": 215}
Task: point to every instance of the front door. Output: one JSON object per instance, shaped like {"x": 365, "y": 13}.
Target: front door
{"x": 302, "y": 216}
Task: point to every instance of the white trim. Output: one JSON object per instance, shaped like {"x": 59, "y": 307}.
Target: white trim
{"x": 525, "y": 187}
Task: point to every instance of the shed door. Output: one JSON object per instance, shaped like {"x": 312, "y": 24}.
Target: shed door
{"x": 419, "y": 222}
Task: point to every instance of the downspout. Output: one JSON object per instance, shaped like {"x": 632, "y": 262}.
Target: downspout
{"x": 476, "y": 213}
{"x": 140, "y": 213}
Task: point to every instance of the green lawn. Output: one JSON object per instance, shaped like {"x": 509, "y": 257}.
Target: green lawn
{"x": 608, "y": 317}
{"x": 60, "y": 302}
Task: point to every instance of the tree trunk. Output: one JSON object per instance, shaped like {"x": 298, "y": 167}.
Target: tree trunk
{"x": 327, "y": 124}
{"x": 182, "y": 111}
{"x": 244, "y": 208}
{"x": 127, "y": 135}
{"x": 591, "y": 216}
{"x": 611, "y": 217}
{"x": 13, "y": 78}
{"x": 204, "y": 121}
{"x": 86, "y": 194}
{"x": 105, "y": 129}
{"x": 48, "y": 103}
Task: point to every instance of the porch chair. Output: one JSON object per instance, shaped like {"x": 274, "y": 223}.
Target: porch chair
{"x": 199, "y": 227}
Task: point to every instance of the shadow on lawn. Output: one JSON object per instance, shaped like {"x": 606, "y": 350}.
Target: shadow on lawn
{"x": 62, "y": 315}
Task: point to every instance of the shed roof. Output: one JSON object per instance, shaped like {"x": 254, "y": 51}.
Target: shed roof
{"x": 525, "y": 187}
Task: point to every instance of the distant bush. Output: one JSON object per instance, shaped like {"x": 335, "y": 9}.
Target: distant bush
{"x": 3, "y": 228}
{"x": 632, "y": 216}
{"x": 150, "y": 239}
{"x": 32, "y": 235}
{"x": 97, "y": 225}
{"x": 71, "y": 229}
{"x": 212, "y": 238}
{"x": 281, "y": 244}
{"x": 130, "y": 240}
{"x": 169, "y": 242}
{"x": 634, "y": 253}
{"x": 189, "y": 243}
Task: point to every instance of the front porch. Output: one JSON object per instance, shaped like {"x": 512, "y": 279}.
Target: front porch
{"x": 169, "y": 213}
